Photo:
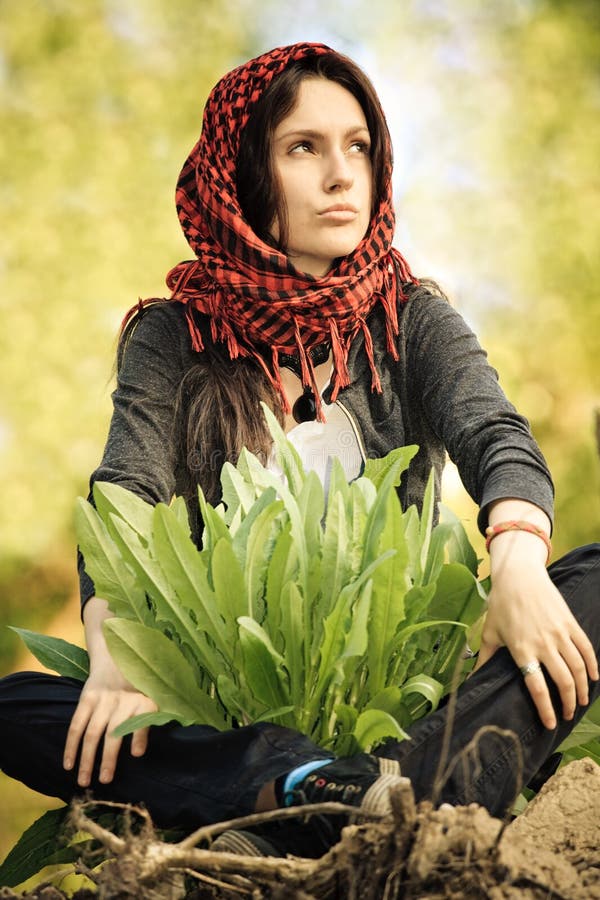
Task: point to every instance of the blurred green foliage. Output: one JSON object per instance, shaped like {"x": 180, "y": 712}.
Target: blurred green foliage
{"x": 494, "y": 114}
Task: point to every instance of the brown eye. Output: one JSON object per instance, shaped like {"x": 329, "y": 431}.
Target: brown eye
{"x": 301, "y": 146}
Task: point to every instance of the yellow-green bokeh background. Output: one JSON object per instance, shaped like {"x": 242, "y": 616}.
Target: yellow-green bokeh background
{"x": 495, "y": 115}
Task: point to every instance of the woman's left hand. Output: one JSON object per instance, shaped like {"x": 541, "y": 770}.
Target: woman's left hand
{"x": 529, "y": 616}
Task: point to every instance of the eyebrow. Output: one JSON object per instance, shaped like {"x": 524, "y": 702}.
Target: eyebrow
{"x": 318, "y": 135}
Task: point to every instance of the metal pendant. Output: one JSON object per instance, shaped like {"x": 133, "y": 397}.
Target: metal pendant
{"x": 305, "y": 408}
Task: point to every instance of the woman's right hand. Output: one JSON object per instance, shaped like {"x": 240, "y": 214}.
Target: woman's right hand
{"x": 107, "y": 700}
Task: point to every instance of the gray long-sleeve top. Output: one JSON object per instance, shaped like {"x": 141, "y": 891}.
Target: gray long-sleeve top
{"x": 442, "y": 395}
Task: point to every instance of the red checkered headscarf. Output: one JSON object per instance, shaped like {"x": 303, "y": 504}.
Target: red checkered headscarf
{"x": 252, "y": 293}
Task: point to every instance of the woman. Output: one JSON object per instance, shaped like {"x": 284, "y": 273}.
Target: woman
{"x": 296, "y": 298}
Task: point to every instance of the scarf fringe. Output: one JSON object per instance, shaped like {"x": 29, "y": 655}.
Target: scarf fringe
{"x": 375, "y": 380}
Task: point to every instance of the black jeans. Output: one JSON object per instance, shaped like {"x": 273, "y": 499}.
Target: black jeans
{"x": 196, "y": 775}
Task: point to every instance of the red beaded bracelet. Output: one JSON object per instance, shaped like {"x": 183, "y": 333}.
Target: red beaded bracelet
{"x": 493, "y": 531}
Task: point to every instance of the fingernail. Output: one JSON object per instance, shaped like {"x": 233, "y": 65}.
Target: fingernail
{"x": 68, "y": 763}
{"x": 105, "y": 776}
{"x": 84, "y": 780}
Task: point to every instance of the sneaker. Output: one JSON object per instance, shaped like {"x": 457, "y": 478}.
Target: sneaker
{"x": 363, "y": 781}
{"x": 244, "y": 843}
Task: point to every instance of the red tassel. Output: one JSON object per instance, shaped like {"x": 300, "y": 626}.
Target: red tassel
{"x": 188, "y": 270}
{"x": 388, "y": 301}
{"x": 195, "y": 333}
{"x": 274, "y": 376}
{"x": 307, "y": 375}
{"x": 375, "y": 381}
{"x": 340, "y": 356}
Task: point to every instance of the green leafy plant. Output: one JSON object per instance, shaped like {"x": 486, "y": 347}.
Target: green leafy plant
{"x": 344, "y": 617}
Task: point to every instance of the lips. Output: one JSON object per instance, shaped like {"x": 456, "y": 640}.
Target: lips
{"x": 339, "y": 213}
{"x": 339, "y": 207}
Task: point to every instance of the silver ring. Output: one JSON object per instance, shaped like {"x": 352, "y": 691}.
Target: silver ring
{"x": 530, "y": 668}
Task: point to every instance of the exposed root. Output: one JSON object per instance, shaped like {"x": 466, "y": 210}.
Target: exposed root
{"x": 416, "y": 852}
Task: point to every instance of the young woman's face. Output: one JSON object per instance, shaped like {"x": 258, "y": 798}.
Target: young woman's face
{"x": 321, "y": 158}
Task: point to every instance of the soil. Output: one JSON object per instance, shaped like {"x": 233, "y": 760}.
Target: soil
{"x": 550, "y": 852}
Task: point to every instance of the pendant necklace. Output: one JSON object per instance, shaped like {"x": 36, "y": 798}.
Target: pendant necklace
{"x": 305, "y": 407}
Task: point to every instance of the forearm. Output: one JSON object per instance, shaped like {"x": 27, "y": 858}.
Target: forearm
{"x": 102, "y": 665}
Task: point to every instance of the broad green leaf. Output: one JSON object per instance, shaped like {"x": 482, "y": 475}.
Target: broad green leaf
{"x": 237, "y": 493}
{"x": 436, "y": 555}
{"x": 338, "y": 483}
{"x": 460, "y": 549}
{"x": 286, "y": 454}
{"x": 38, "y": 846}
{"x": 427, "y": 687}
{"x": 311, "y": 504}
{"x": 231, "y": 696}
{"x": 240, "y": 539}
{"x": 582, "y": 733}
{"x": 144, "y": 720}
{"x": 347, "y": 716}
{"x": 251, "y": 470}
{"x": 294, "y": 632}
{"x": 260, "y": 544}
{"x": 214, "y": 523}
{"x": 169, "y": 611}
{"x": 268, "y": 479}
{"x": 184, "y": 579}
{"x": 335, "y": 631}
{"x": 281, "y": 569}
{"x": 230, "y": 591}
{"x": 157, "y": 668}
{"x": 115, "y": 500}
{"x": 104, "y": 563}
{"x": 357, "y": 638}
{"x": 397, "y": 461}
{"x": 335, "y": 567}
{"x": 273, "y": 715}
{"x": 591, "y": 750}
{"x": 389, "y": 700}
{"x": 367, "y": 490}
{"x": 410, "y": 517}
{"x": 263, "y": 667}
{"x": 456, "y": 596}
{"x": 179, "y": 508}
{"x": 360, "y": 500}
{"x": 56, "y": 654}
{"x": 374, "y": 726}
{"x": 593, "y": 713}
{"x": 390, "y": 584}
{"x": 343, "y": 729}
{"x": 427, "y": 513}
{"x": 376, "y": 518}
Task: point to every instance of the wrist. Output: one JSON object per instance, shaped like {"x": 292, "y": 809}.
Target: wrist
{"x": 518, "y": 534}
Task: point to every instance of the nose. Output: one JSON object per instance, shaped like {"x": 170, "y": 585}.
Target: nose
{"x": 339, "y": 174}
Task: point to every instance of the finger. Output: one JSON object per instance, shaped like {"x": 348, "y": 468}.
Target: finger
{"x": 486, "y": 651}
{"x": 561, "y": 674}
{"x": 139, "y": 742}
{"x": 79, "y": 722}
{"x": 579, "y": 673}
{"x": 585, "y": 647}
{"x": 538, "y": 690}
{"x": 110, "y": 751}
{"x": 94, "y": 733}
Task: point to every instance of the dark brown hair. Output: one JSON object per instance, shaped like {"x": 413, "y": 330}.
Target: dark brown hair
{"x": 257, "y": 185}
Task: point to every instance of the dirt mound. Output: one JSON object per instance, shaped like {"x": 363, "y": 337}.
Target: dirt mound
{"x": 550, "y": 851}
